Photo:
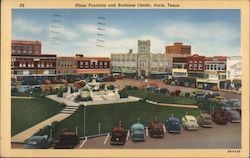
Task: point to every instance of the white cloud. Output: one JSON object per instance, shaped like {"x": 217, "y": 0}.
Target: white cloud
{"x": 209, "y": 38}
{"x": 27, "y": 26}
{"x": 62, "y": 32}
{"x": 109, "y": 31}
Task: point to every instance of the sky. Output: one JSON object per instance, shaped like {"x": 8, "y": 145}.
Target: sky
{"x": 99, "y": 32}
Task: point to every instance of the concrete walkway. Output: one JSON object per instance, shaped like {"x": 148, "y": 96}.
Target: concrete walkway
{"x": 173, "y": 105}
{"x": 22, "y": 136}
{"x": 66, "y": 112}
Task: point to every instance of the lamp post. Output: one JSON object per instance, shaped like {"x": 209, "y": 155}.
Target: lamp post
{"x": 84, "y": 119}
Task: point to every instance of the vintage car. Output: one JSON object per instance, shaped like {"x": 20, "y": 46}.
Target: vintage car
{"x": 220, "y": 116}
{"x": 234, "y": 116}
{"x": 205, "y": 120}
{"x": 189, "y": 122}
{"x": 67, "y": 140}
{"x": 217, "y": 99}
{"x": 119, "y": 135}
{"x": 173, "y": 125}
{"x": 155, "y": 129}
{"x": 38, "y": 142}
{"x": 138, "y": 132}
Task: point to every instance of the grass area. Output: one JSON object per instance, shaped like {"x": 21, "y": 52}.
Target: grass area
{"x": 26, "y": 94}
{"x": 28, "y": 112}
{"x": 110, "y": 115}
{"x": 161, "y": 97}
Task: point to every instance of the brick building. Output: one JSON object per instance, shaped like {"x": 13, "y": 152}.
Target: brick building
{"x": 27, "y": 60}
{"x": 196, "y": 66}
{"x": 92, "y": 65}
{"x": 178, "y": 48}
{"x": 66, "y": 65}
{"x": 25, "y": 47}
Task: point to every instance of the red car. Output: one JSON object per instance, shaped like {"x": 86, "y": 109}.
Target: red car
{"x": 220, "y": 116}
{"x": 119, "y": 135}
{"x": 155, "y": 129}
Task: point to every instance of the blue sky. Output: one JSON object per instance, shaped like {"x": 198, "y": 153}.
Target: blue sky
{"x": 69, "y": 31}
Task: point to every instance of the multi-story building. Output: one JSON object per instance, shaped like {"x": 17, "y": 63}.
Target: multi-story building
{"x": 178, "y": 48}
{"x": 27, "y": 60}
{"x": 142, "y": 63}
{"x": 66, "y": 65}
{"x": 92, "y": 65}
{"x": 33, "y": 65}
{"x": 214, "y": 72}
{"x": 179, "y": 68}
{"x": 196, "y": 66}
{"x": 234, "y": 67}
{"x": 25, "y": 47}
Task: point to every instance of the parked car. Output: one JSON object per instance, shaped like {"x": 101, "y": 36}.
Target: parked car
{"x": 205, "y": 120}
{"x": 119, "y": 135}
{"x": 173, "y": 125}
{"x": 67, "y": 140}
{"x": 38, "y": 142}
{"x": 187, "y": 84}
{"x": 155, "y": 129}
{"x": 234, "y": 116}
{"x": 189, "y": 122}
{"x": 217, "y": 99}
{"x": 137, "y": 132}
{"x": 220, "y": 116}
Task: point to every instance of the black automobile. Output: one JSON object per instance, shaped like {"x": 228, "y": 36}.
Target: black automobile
{"x": 38, "y": 142}
{"x": 173, "y": 125}
{"x": 67, "y": 140}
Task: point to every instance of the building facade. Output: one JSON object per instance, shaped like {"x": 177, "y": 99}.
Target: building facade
{"x": 143, "y": 63}
{"x": 33, "y": 65}
{"x": 27, "y": 60}
{"x": 66, "y": 65}
{"x": 25, "y": 47}
{"x": 196, "y": 66}
{"x": 92, "y": 65}
{"x": 179, "y": 67}
{"x": 178, "y": 48}
{"x": 234, "y": 67}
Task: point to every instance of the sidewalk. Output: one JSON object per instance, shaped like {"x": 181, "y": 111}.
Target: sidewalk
{"x": 22, "y": 136}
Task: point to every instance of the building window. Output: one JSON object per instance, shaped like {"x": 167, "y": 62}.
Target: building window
{"x": 215, "y": 67}
{"x": 195, "y": 66}
{"x": 200, "y": 66}
{"x": 190, "y": 61}
{"x": 190, "y": 67}
{"x": 200, "y": 62}
{"x": 195, "y": 61}
{"x": 105, "y": 63}
{"x": 212, "y": 67}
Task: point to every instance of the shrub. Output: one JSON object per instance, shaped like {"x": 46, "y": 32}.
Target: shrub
{"x": 111, "y": 87}
{"x": 80, "y": 98}
{"x": 123, "y": 94}
{"x": 55, "y": 127}
{"x": 42, "y": 95}
{"x": 187, "y": 95}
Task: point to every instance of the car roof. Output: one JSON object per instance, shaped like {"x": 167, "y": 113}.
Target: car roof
{"x": 118, "y": 129}
{"x": 190, "y": 117}
{"x": 204, "y": 115}
{"x": 173, "y": 119}
{"x": 138, "y": 126}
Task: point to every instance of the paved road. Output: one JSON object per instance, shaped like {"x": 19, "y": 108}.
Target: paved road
{"x": 139, "y": 83}
{"x": 219, "y": 137}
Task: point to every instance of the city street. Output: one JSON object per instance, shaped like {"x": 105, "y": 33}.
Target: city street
{"x": 139, "y": 83}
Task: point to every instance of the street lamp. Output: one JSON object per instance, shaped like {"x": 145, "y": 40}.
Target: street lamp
{"x": 85, "y": 105}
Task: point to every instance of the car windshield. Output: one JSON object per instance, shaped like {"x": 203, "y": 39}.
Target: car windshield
{"x": 138, "y": 131}
{"x": 192, "y": 120}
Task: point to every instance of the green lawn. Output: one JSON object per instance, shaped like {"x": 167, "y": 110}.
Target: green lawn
{"x": 128, "y": 113}
{"x": 161, "y": 97}
{"x": 28, "y": 112}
